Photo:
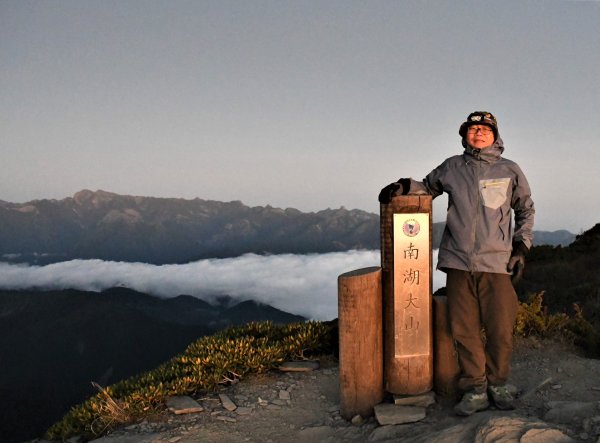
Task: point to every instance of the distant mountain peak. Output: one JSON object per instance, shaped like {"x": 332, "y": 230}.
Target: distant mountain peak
{"x": 94, "y": 197}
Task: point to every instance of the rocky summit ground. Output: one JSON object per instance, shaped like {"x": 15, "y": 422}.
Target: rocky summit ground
{"x": 559, "y": 402}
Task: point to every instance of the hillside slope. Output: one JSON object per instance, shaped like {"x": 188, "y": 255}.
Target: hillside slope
{"x": 567, "y": 275}
{"x": 53, "y": 344}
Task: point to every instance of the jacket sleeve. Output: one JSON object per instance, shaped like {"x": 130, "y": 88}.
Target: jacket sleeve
{"x": 431, "y": 184}
{"x": 523, "y": 207}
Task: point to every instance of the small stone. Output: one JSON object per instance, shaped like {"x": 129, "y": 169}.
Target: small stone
{"x": 390, "y": 414}
{"x": 226, "y": 418}
{"x": 299, "y": 366}
{"x": 243, "y": 411}
{"x": 227, "y": 403}
{"x": 559, "y": 370}
{"x": 284, "y": 395}
{"x": 280, "y": 402}
{"x": 181, "y": 404}
{"x": 273, "y": 407}
{"x": 357, "y": 420}
{"x": 174, "y": 439}
{"x": 556, "y": 386}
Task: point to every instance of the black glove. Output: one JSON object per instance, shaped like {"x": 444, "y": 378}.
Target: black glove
{"x": 386, "y": 194}
{"x": 516, "y": 264}
{"x": 397, "y": 188}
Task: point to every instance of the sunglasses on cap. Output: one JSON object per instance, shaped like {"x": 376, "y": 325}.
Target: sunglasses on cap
{"x": 478, "y": 117}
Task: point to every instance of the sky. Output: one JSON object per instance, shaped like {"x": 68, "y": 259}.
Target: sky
{"x": 305, "y": 104}
{"x": 300, "y": 284}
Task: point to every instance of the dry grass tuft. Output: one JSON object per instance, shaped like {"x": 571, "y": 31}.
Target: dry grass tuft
{"x": 111, "y": 413}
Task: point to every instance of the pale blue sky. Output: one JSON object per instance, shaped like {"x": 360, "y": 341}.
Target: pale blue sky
{"x": 306, "y": 104}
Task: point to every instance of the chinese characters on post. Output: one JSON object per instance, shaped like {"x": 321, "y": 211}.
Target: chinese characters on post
{"x": 412, "y": 290}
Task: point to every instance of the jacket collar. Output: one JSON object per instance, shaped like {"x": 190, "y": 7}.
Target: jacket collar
{"x": 490, "y": 154}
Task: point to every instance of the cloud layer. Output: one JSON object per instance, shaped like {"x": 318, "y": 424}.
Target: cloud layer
{"x": 300, "y": 284}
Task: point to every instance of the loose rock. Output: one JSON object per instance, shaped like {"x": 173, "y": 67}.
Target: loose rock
{"x": 422, "y": 400}
{"x": 389, "y": 414}
{"x": 183, "y": 404}
{"x": 357, "y": 420}
{"x": 243, "y": 411}
{"x": 299, "y": 366}
{"x": 227, "y": 403}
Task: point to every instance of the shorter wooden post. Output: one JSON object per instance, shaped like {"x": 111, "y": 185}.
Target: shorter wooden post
{"x": 361, "y": 341}
{"x": 445, "y": 362}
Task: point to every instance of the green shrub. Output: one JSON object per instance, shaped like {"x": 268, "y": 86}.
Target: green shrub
{"x": 208, "y": 362}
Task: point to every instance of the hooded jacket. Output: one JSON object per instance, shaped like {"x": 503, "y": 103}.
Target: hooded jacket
{"x": 484, "y": 191}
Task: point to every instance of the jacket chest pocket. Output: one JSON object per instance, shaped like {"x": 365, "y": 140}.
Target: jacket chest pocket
{"x": 494, "y": 191}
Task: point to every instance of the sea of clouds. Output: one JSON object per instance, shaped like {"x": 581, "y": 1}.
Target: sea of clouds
{"x": 300, "y": 284}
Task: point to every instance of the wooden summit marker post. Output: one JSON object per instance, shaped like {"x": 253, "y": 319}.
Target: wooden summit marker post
{"x": 361, "y": 342}
{"x": 406, "y": 280}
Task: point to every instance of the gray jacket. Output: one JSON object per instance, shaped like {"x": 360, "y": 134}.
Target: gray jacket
{"x": 483, "y": 189}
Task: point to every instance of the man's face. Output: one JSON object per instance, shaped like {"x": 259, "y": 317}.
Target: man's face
{"x": 480, "y": 136}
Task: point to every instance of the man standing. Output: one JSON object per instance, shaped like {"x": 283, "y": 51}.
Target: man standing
{"x": 479, "y": 252}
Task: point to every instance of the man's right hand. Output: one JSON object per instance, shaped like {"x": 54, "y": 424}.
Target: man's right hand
{"x": 391, "y": 190}
{"x": 516, "y": 263}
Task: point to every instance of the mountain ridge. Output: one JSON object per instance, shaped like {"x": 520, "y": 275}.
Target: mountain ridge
{"x": 158, "y": 230}
{"x": 155, "y": 230}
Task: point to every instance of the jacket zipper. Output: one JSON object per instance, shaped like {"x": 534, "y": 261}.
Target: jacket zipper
{"x": 476, "y": 223}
